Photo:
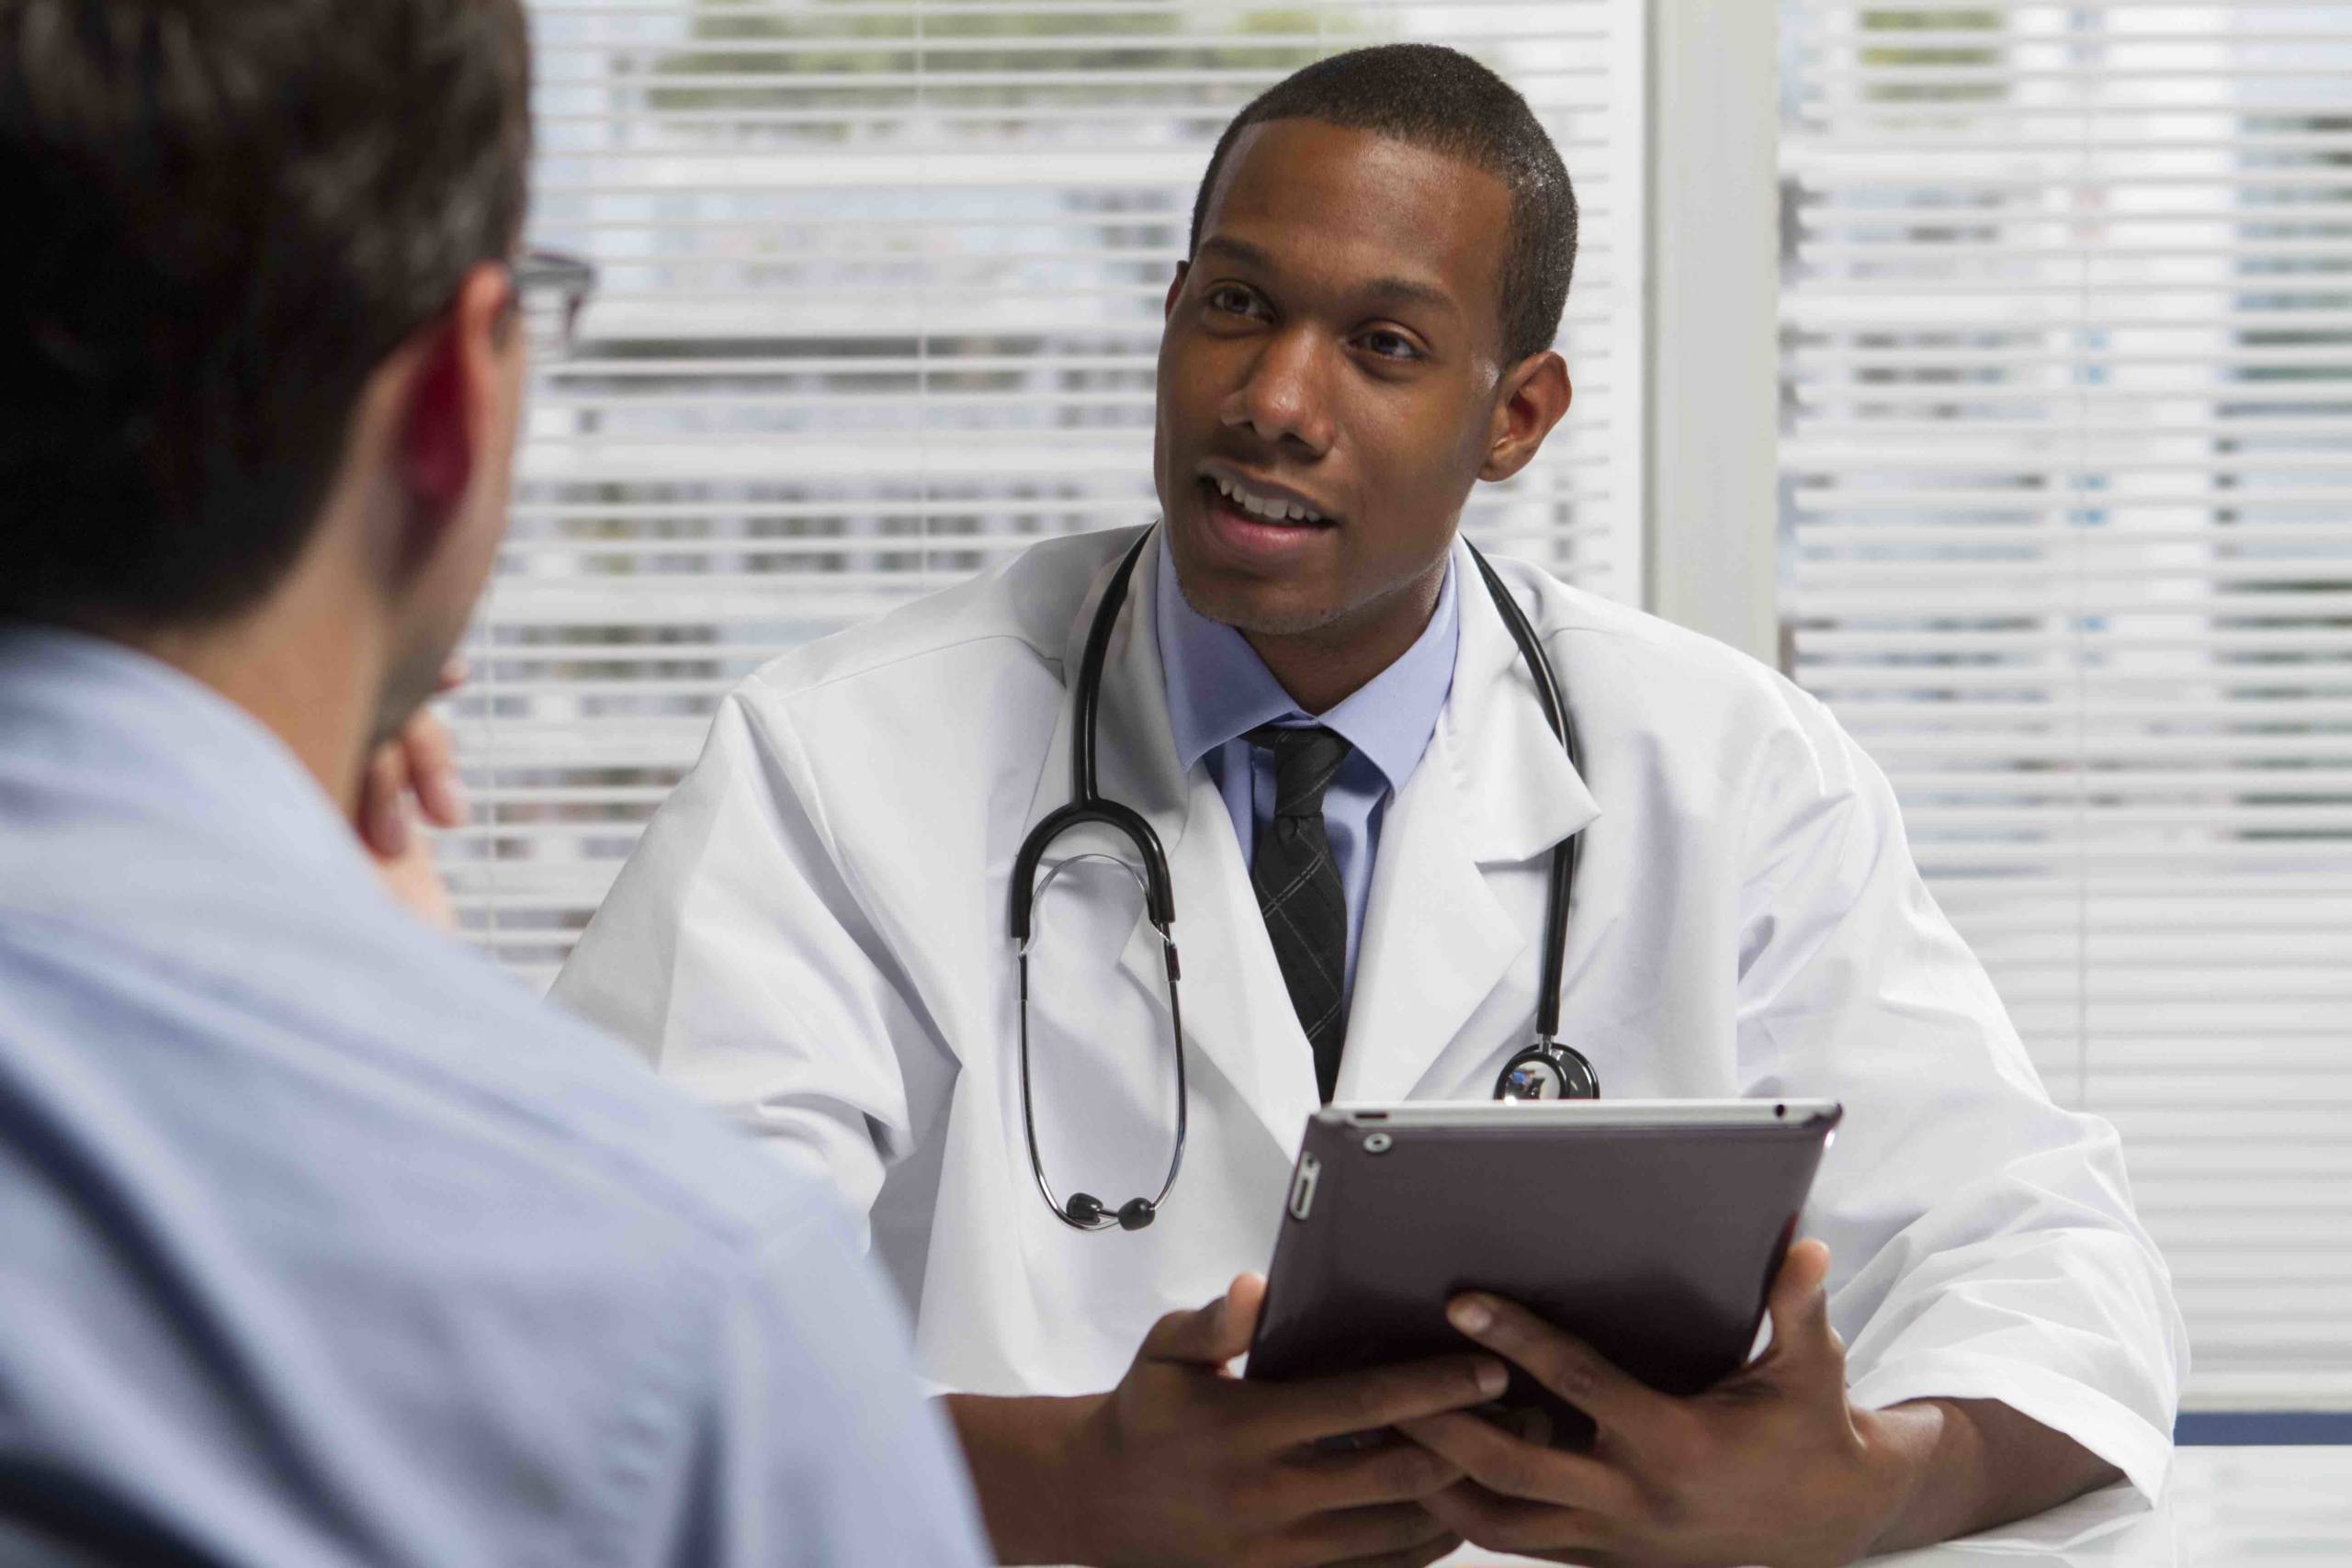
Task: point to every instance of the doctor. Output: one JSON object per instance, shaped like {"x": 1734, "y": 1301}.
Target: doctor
{"x": 1312, "y": 700}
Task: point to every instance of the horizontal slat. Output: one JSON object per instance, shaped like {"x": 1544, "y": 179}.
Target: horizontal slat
{"x": 2059, "y": 542}
{"x": 2227, "y": 357}
{"x": 2055, "y": 599}
{"x": 1965, "y": 574}
{"x": 1830, "y": 192}
{"x": 941, "y": 45}
{"x": 1241, "y": 79}
{"x": 1829, "y": 42}
{"x": 1822, "y": 115}
{"x": 1950, "y": 642}
{"x": 862, "y": 13}
{"x": 1849, "y": 452}
{"x": 2106, "y": 310}
{"x": 2200, "y": 692}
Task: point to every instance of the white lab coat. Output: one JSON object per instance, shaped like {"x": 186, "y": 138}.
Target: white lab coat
{"x": 813, "y": 936}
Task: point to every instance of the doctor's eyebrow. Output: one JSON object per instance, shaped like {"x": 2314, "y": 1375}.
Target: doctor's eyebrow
{"x": 1401, "y": 290}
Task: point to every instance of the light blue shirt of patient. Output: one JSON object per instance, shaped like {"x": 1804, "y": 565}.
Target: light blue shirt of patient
{"x": 1219, "y": 690}
{"x": 323, "y": 1242}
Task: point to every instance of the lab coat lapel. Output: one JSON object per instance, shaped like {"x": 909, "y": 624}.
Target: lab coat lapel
{"x": 1436, "y": 941}
{"x": 1237, "y": 1012}
{"x": 1494, "y": 793}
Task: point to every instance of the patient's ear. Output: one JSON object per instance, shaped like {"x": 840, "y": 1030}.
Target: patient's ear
{"x": 456, "y": 411}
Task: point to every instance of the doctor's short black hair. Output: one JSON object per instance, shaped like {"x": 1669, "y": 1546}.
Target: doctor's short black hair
{"x": 1441, "y": 100}
{"x": 228, "y": 212}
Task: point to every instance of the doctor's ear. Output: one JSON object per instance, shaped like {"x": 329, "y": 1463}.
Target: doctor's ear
{"x": 1534, "y": 394}
{"x": 1183, "y": 270}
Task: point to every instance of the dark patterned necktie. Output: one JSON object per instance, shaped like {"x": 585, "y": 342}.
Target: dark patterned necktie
{"x": 1299, "y": 891}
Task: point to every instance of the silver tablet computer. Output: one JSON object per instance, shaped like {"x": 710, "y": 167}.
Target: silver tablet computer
{"x": 1651, "y": 1229}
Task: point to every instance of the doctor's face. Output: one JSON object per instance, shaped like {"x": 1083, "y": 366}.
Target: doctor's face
{"x": 1331, "y": 384}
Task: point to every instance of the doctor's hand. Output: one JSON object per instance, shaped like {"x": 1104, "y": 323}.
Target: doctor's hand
{"x": 1770, "y": 1466}
{"x": 1184, "y": 1462}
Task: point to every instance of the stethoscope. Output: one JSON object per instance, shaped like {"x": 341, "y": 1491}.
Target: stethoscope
{"x": 1545, "y": 1070}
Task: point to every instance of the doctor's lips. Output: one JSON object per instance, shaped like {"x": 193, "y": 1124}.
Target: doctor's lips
{"x": 1261, "y": 502}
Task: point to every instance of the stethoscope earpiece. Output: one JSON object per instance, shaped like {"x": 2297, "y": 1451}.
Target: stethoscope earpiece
{"x": 1085, "y": 1211}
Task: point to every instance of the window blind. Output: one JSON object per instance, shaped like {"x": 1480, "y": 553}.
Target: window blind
{"x": 880, "y": 299}
{"x": 2066, "y": 475}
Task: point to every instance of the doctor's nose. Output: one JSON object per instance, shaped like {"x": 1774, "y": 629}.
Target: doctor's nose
{"x": 1285, "y": 398}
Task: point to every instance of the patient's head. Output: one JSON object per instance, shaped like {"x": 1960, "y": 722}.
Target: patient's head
{"x": 257, "y": 333}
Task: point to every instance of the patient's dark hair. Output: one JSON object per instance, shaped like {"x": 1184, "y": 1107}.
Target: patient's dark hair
{"x": 227, "y": 213}
{"x": 1443, "y": 101}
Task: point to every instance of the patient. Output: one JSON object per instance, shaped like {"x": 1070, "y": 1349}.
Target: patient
{"x": 319, "y": 1240}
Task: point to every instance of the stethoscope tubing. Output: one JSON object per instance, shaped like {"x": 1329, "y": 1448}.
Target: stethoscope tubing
{"x": 1563, "y": 854}
{"x": 1566, "y": 1069}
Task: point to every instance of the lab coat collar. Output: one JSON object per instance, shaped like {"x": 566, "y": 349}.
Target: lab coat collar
{"x": 1519, "y": 793}
{"x": 1134, "y": 748}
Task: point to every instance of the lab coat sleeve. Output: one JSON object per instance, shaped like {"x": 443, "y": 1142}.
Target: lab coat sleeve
{"x": 1983, "y": 1240}
{"x": 733, "y": 955}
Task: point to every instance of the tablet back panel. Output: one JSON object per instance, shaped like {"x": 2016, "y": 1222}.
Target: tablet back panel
{"x": 1655, "y": 1245}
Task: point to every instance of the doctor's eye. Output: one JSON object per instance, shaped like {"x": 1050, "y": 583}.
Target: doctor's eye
{"x": 1232, "y": 299}
{"x": 1386, "y": 344}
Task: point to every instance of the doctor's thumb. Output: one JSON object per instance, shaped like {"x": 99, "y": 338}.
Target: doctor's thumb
{"x": 1215, "y": 1333}
{"x": 1799, "y": 1305}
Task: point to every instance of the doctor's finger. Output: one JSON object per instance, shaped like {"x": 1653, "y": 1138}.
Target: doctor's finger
{"x": 1561, "y": 1362}
{"x": 1506, "y": 1465}
{"x": 1209, "y": 1336}
{"x": 1353, "y": 1534}
{"x": 1285, "y": 1415}
{"x": 1509, "y": 1524}
{"x": 1319, "y": 1483}
{"x": 1421, "y": 1556}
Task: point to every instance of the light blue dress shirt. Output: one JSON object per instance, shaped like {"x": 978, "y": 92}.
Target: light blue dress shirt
{"x": 1219, "y": 690}
{"x": 321, "y": 1242}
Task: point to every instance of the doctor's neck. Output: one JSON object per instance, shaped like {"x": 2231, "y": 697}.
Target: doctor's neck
{"x": 1323, "y": 665}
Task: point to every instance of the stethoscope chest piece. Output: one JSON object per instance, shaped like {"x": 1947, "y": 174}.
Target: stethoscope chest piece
{"x": 1548, "y": 1071}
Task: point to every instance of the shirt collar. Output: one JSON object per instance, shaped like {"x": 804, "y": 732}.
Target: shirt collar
{"x": 124, "y": 732}
{"x": 1218, "y": 689}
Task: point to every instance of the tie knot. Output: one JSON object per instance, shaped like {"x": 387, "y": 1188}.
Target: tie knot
{"x": 1306, "y": 758}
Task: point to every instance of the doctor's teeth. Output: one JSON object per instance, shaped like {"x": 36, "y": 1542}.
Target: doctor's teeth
{"x": 1270, "y": 510}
